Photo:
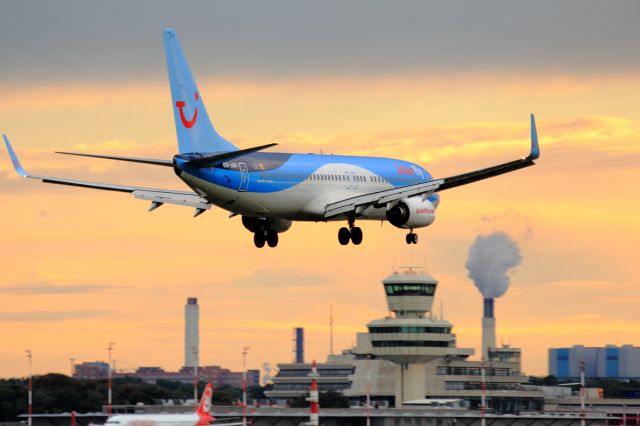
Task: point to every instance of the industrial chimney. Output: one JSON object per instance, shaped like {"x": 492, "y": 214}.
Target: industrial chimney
{"x": 298, "y": 345}
{"x": 191, "y": 336}
{"x": 488, "y": 328}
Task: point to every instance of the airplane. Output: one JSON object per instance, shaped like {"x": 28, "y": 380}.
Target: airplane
{"x": 201, "y": 417}
{"x": 271, "y": 190}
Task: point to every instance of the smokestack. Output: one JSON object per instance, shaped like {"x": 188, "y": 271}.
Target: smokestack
{"x": 488, "y": 328}
{"x": 191, "y": 336}
{"x": 491, "y": 257}
{"x": 299, "y": 345}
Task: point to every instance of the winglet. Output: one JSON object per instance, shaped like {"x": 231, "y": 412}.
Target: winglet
{"x": 535, "y": 148}
{"x": 14, "y": 158}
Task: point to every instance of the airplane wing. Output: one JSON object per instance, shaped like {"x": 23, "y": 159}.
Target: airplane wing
{"x": 378, "y": 199}
{"x": 157, "y": 197}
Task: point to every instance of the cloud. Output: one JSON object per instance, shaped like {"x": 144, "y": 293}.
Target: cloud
{"x": 51, "y": 316}
{"x": 47, "y": 288}
{"x": 365, "y": 38}
{"x": 286, "y": 278}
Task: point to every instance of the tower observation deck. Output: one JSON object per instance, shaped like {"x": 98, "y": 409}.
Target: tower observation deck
{"x": 412, "y": 335}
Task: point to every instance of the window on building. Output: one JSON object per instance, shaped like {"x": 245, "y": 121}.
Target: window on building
{"x": 409, "y": 289}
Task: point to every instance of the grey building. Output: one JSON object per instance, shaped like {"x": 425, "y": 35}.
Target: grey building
{"x": 604, "y": 362}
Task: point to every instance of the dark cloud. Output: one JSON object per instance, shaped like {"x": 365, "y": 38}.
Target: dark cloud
{"x": 121, "y": 40}
{"x": 47, "y": 288}
{"x": 50, "y": 316}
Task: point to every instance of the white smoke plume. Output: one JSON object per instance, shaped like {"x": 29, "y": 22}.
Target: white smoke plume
{"x": 490, "y": 259}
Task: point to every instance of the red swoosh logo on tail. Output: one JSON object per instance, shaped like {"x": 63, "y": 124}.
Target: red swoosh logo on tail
{"x": 187, "y": 123}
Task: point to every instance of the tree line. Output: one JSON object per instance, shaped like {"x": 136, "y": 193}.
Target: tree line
{"x": 58, "y": 393}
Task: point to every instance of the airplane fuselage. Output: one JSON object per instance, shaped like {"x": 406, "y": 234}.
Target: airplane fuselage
{"x": 155, "y": 420}
{"x": 297, "y": 186}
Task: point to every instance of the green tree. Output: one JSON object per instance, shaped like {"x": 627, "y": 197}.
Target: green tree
{"x": 333, "y": 399}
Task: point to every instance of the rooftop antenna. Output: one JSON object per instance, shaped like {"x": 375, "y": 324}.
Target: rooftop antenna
{"x": 442, "y": 309}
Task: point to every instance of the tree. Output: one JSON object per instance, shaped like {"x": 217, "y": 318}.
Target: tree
{"x": 333, "y": 399}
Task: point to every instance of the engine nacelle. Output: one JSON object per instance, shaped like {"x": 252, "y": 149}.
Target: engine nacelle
{"x": 411, "y": 213}
{"x": 254, "y": 224}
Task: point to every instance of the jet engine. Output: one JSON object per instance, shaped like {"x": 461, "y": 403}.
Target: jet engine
{"x": 255, "y": 224}
{"x": 413, "y": 212}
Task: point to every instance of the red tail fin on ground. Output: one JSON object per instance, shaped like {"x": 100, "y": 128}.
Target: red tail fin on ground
{"x": 204, "y": 408}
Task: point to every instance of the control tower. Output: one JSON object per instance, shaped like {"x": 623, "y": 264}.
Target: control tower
{"x": 412, "y": 337}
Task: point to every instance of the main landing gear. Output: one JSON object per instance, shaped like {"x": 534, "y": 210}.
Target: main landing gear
{"x": 412, "y": 238}
{"x": 268, "y": 236}
{"x": 353, "y": 234}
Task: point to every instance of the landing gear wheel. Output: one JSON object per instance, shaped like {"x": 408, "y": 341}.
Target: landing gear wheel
{"x": 259, "y": 239}
{"x": 356, "y": 235}
{"x": 411, "y": 238}
{"x": 272, "y": 238}
{"x": 344, "y": 236}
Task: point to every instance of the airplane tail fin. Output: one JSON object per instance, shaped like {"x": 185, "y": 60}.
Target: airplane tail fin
{"x": 204, "y": 408}
{"x": 193, "y": 127}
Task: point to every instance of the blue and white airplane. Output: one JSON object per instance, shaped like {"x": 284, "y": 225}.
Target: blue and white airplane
{"x": 270, "y": 190}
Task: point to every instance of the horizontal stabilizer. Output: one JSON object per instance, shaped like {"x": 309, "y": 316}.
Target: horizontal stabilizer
{"x": 212, "y": 160}
{"x": 153, "y": 161}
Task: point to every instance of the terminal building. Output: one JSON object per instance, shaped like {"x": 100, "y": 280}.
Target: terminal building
{"x": 411, "y": 358}
{"x": 610, "y": 362}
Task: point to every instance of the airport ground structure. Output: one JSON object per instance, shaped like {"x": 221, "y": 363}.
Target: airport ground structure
{"x": 411, "y": 357}
{"x": 611, "y": 362}
{"x": 214, "y": 374}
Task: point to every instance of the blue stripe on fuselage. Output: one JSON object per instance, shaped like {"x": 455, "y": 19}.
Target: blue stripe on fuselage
{"x": 273, "y": 172}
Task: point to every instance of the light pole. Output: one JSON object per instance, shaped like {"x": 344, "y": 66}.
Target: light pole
{"x": 30, "y": 386}
{"x": 195, "y": 376}
{"x": 109, "y": 381}
{"x": 245, "y": 350}
{"x": 72, "y": 361}
{"x": 483, "y": 386}
{"x": 582, "y": 392}
{"x": 368, "y": 389}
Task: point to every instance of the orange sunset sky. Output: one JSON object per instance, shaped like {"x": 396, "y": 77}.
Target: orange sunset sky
{"x": 447, "y": 86}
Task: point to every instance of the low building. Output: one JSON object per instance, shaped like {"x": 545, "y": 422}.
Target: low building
{"x": 91, "y": 370}
{"x": 214, "y": 374}
{"x": 610, "y": 362}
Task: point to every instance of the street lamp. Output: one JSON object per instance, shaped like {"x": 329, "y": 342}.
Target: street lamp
{"x": 109, "y": 381}
{"x": 195, "y": 376}
{"x": 245, "y": 350}
{"x": 368, "y": 389}
{"x": 30, "y": 385}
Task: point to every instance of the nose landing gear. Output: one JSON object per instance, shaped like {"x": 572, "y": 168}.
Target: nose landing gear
{"x": 412, "y": 238}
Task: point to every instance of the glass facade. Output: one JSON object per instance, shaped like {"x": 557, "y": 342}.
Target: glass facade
{"x": 478, "y": 386}
{"x": 323, "y": 372}
{"x": 473, "y": 371}
{"x": 410, "y": 289}
{"x": 409, "y": 344}
{"x": 410, "y": 329}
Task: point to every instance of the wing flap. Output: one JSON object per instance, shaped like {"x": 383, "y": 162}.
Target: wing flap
{"x": 163, "y": 197}
{"x": 380, "y": 198}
